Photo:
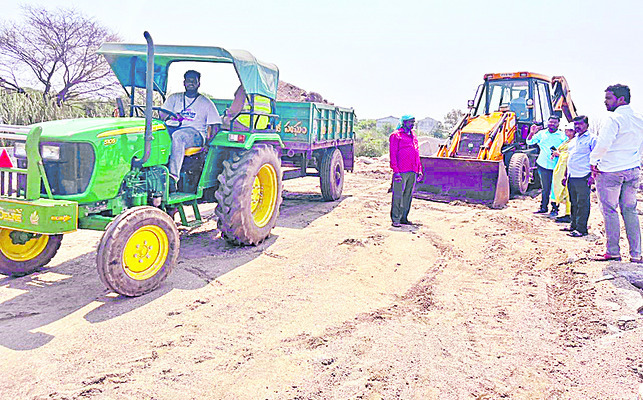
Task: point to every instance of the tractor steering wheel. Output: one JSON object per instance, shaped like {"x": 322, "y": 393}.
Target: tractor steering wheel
{"x": 171, "y": 118}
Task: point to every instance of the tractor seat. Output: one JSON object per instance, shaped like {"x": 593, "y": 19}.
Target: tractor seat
{"x": 190, "y": 151}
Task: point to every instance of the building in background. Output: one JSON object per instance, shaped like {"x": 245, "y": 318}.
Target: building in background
{"x": 425, "y": 125}
{"x": 390, "y": 120}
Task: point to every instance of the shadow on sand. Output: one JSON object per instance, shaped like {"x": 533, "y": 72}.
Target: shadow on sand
{"x": 45, "y": 297}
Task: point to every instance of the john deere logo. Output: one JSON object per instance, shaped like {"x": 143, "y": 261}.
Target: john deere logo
{"x": 34, "y": 218}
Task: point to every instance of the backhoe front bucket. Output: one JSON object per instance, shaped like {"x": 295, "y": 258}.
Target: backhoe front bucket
{"x": 472, "y": 181}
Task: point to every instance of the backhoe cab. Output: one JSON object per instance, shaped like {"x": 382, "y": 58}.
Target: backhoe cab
{"x": 486, "y": 156}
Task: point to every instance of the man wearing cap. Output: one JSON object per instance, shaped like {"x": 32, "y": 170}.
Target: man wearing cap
{"x": 547, "y": 140}
{"x": 405, "y": 163}
{"x": 615, "y": 164}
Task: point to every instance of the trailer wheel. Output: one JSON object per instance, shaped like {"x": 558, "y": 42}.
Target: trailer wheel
{"x": 249, "y": 195}
{"x": 519, "y": 170}
{"x": 22, "y": 259}
{"x": 331, "y": 175}
{"x": 138, "y": 251}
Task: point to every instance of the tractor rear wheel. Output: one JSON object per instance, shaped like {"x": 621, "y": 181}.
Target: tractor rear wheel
{"x": 18, "y": 258}
{"x": 519, "y": 170}
{"x": 249, "y": 195}
{"x": 331, "y": 174}
{"x": 138, "y": 251}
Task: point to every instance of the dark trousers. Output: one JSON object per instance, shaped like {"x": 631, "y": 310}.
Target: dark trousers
{"x": 579, "y": 192}
{"x": 546, "y": 176}
{"x": 402, "y": 196}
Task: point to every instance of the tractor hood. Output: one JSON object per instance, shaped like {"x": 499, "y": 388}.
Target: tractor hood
{"x": 128, "y": 61}
{"x": 91, "y": 128}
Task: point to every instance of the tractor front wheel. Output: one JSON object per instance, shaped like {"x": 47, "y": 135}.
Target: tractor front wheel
{"x": 138, "y": 251}
{"x": 22, "y": 256}
{"x": 249, "y": 195}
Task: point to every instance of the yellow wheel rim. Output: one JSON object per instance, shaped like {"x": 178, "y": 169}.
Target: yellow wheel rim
{"x": 145, "y": 252}
{"x": 21, "y": 252}
{"x": 264, "y": 195}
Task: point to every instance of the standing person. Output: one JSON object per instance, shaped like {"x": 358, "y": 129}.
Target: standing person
{"x": 559, "y": 183}
{"x": 198, "y": 117}
{"x": 615, "y": 164}
{"x": 405, "y": 162}
{"x": 547, "y": 140}
{"x": 579, "y": 177}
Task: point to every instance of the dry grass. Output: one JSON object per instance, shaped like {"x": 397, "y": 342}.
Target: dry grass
{"x": 30, "y": 107}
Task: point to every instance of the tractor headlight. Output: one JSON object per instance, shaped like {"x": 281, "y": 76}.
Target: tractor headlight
{"x": 19, "y": 149}
{"x": 49, "y": 152}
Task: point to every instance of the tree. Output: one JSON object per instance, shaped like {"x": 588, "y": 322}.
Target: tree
{"x": 452, "y": 118}
{"x": 440, "y": 131}
{"x": 443, "y": 129}
{"x": 57, "y": 51}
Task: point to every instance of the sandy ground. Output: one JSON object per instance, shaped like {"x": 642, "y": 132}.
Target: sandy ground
{"x": 472, "y": 303}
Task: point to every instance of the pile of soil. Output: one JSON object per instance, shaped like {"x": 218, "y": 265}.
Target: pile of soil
{"x": 289, "y": 92}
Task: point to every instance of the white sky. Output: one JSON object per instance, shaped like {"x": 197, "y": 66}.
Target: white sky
{"x": 399, "y": 57}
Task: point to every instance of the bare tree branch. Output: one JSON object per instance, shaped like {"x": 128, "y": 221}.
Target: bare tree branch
{"x": 56, "y": 49}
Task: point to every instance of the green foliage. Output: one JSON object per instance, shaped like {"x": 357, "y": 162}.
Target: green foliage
{"x": 452, "y": 118}
{"x": 30, "y": 107}
{"x": 370, "y": 141}
{"x": 443, "y": 129}
{"x": 439, "y": 131}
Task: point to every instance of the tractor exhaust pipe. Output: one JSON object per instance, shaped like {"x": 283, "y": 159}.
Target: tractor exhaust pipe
{"x": 149, "y": 93}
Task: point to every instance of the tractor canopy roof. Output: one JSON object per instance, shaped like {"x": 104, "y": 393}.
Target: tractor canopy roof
{"x": 256, "y": 77}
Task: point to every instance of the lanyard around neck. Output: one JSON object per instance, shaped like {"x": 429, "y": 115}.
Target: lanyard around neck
{"x": 192, "y": 102}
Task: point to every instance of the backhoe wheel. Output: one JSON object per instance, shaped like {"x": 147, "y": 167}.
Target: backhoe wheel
{"x": 331, "y": 175}
{"x": 138, "y": 251}
{"x": 519, "y": 170}
{"x": 249, "y": 195}
{"x": 17, "y": 259}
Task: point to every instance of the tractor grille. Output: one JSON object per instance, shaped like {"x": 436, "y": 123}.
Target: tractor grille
{"x": 71, "y": 172}
{"x": 470, "y": 144}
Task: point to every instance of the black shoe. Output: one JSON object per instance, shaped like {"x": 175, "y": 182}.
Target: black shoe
{"x": 541, "y": 211}
{"x": 406, "y": 222}
{"x": 396, "y": 224}
{"x": 576, "y": 234}
{"x": 564, "y": 219}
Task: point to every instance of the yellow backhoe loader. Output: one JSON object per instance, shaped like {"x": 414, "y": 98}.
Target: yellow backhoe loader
{"x": 486, "y": 158}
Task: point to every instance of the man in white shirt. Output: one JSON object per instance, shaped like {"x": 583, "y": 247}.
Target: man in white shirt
{"x": 198, "y": 117}
{"x": 615, "y": 164}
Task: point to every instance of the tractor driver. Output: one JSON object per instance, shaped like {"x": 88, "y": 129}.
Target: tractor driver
{"x": 199, "y": 119}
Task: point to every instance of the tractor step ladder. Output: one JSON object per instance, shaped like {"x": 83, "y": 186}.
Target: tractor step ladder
{"x": 197, "y": 221}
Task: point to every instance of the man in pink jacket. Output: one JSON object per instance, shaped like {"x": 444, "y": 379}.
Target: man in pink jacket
{"x": 405, "y": 163}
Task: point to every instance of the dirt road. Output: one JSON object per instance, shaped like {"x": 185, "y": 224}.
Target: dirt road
{"x": 472, "y": 303}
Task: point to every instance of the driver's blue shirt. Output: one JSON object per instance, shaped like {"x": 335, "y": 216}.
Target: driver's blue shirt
{"x": 546, "y": 140}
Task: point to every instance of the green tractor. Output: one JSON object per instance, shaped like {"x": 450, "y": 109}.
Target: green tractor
{"x": 111, "y": 174}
